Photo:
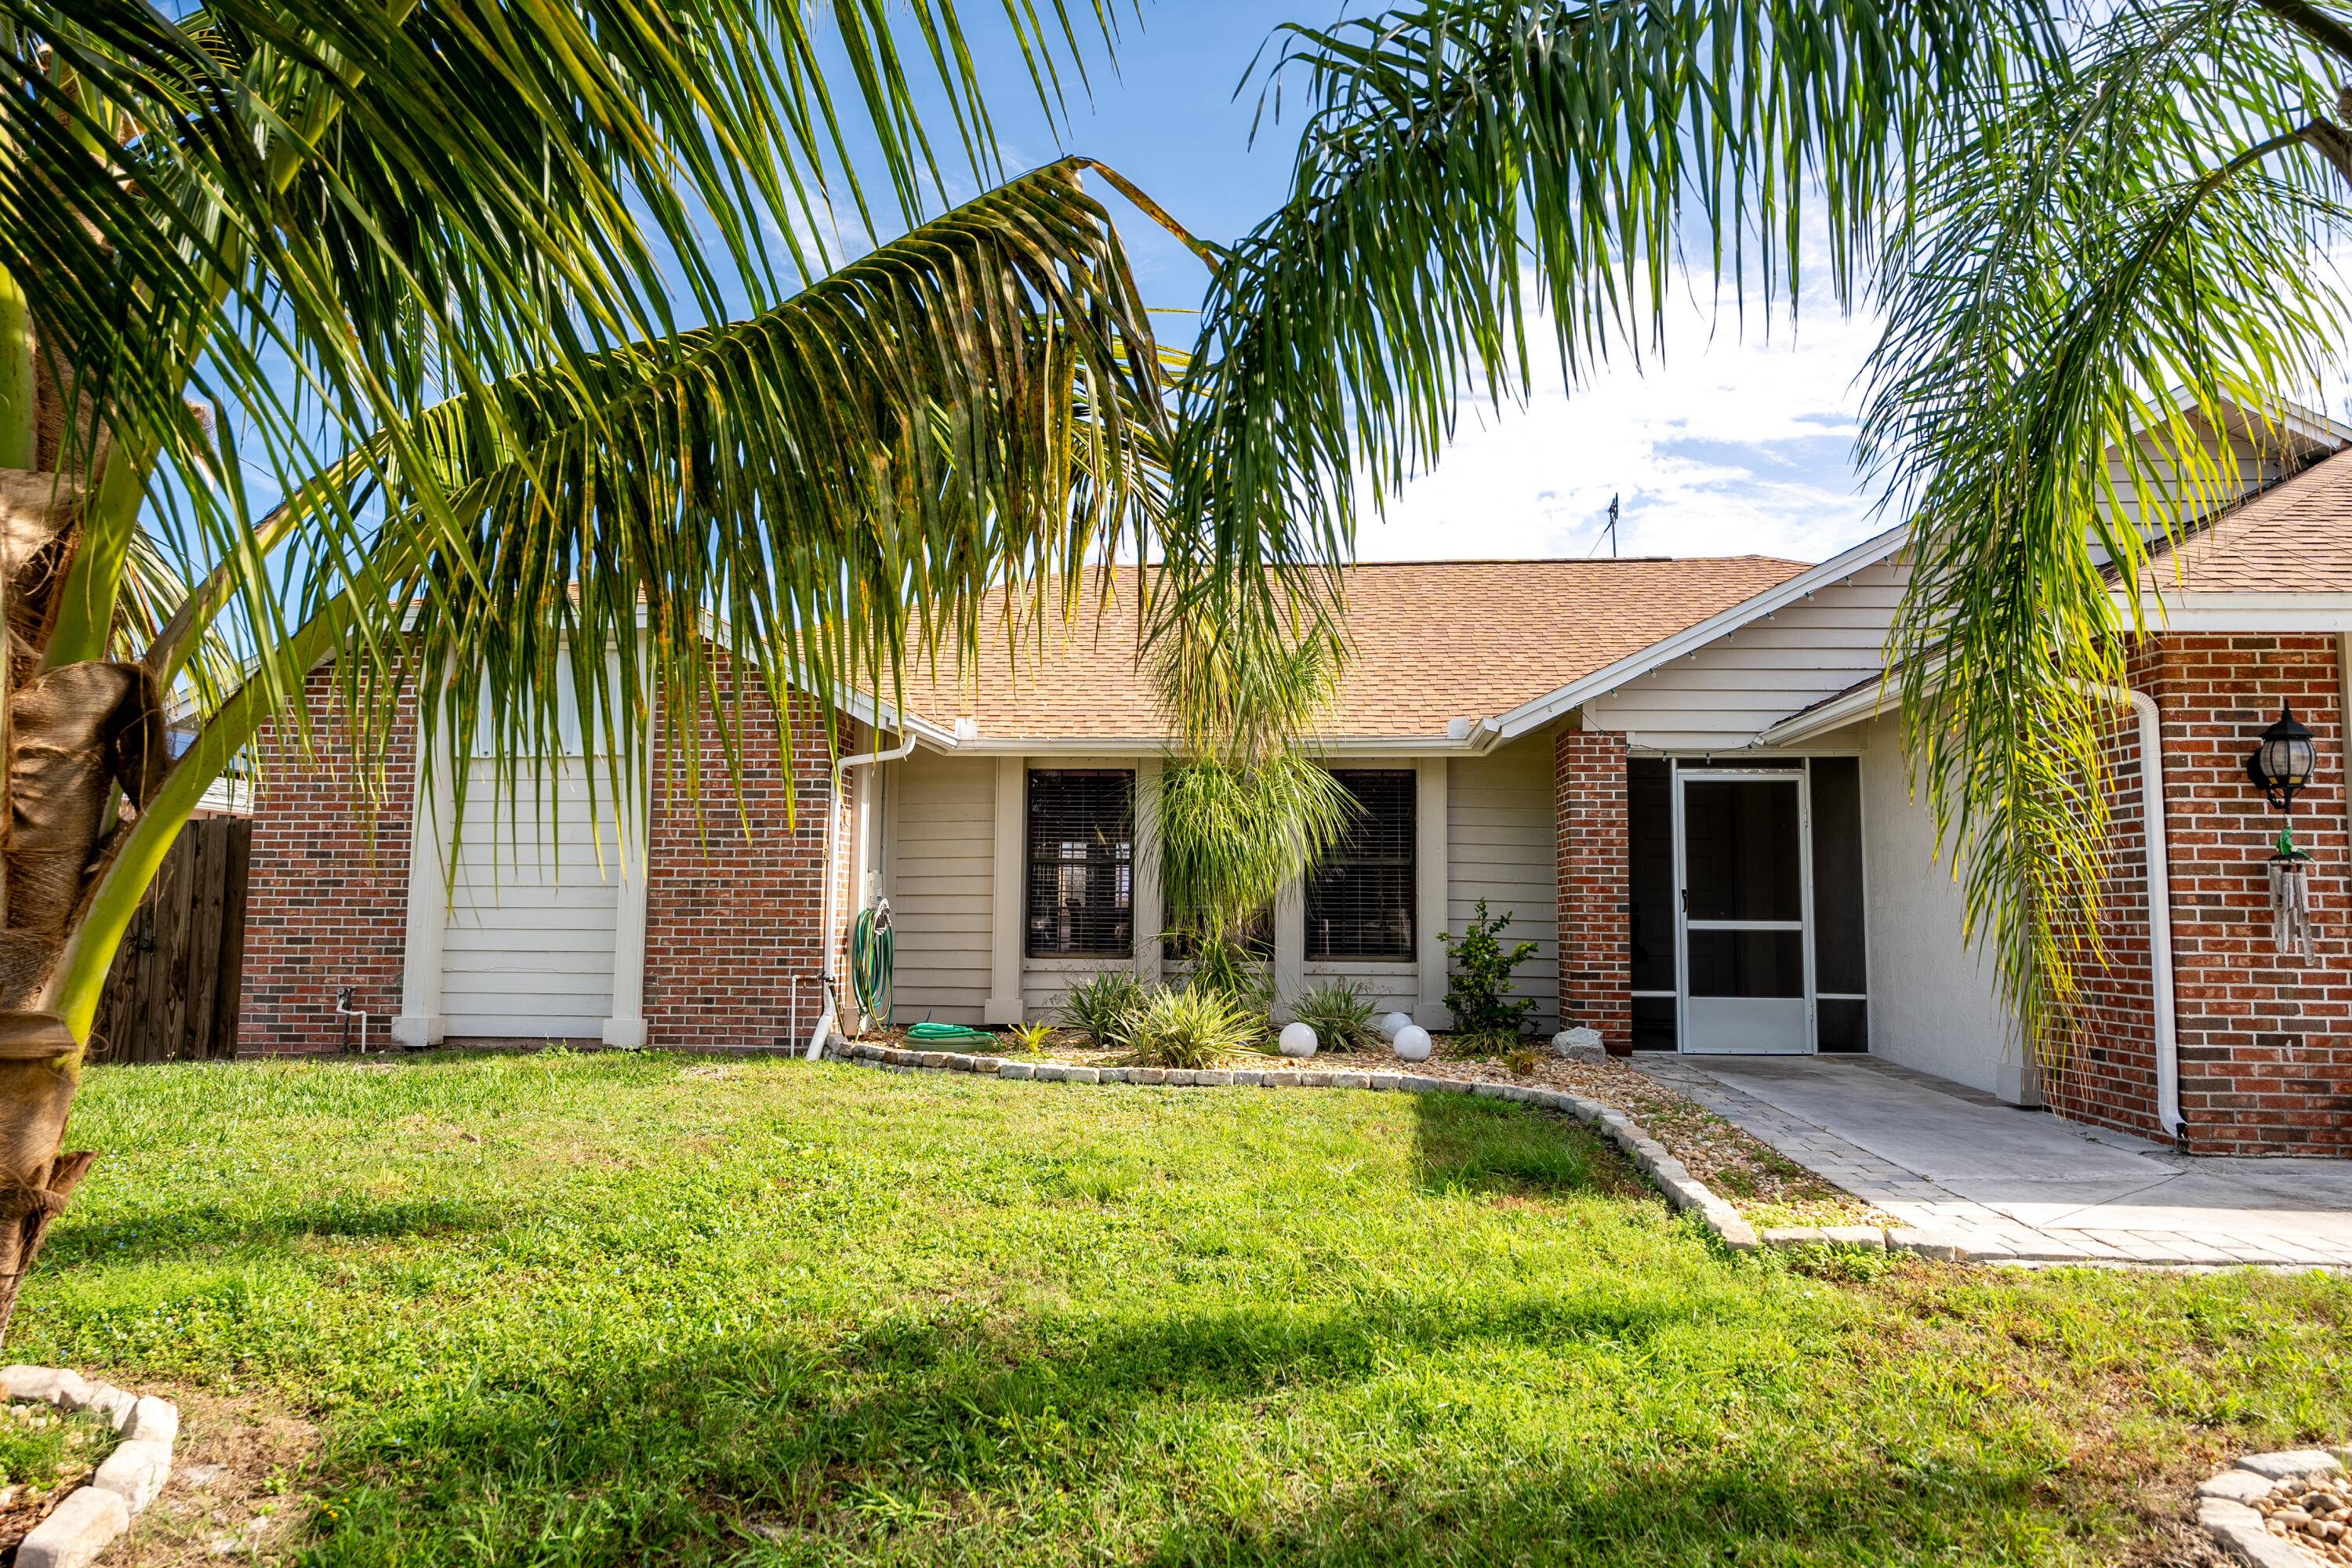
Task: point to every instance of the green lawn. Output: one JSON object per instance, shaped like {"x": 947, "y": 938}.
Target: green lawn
{"x": 624, "y": 1308}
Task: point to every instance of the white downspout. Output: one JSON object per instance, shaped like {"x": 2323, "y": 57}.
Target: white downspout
{"x": 828, "y": 1009}
{"x": 2159, "y": 902}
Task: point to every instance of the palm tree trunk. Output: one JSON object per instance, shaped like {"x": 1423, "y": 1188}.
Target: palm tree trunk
{"x": 81, "y": 743}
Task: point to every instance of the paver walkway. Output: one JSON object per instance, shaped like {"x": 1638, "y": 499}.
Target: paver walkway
{"x": 2019, "y": 1183}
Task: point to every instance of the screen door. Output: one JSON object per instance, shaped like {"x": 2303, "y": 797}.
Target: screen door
{"x": 1746, "y": 976}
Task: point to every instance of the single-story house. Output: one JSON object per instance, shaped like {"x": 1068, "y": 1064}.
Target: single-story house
{"x": 1678, "y": 776}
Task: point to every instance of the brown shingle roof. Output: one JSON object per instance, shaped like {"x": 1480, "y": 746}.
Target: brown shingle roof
{"x": 1435, "y": 641}
{"x": 2294, "y": 537}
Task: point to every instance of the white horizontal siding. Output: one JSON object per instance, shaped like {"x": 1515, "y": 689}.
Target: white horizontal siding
{"x": 527, "y": 949}
{"x": 1719, "y": 698}
{"x": 940, "y": 870}
{"x": 1502, "y": 846}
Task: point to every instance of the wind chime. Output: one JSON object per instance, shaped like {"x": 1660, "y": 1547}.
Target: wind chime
{"x": 2280, "y": 766}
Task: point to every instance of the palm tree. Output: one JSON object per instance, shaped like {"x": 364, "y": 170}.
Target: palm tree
{"x": 2079, "y": 222}
{"x": 404, "y": 272}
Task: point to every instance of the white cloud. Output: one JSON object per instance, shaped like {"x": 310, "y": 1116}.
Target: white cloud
{"x": 1735, "y": 444}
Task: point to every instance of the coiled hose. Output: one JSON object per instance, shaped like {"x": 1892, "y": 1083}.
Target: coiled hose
{"x": 873, "y": 954}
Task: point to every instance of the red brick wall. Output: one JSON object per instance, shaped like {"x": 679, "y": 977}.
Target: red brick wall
{"x": 1596, "y": 973}
{"x": 734, "y": 898}
{"x": 2266, "y": 1040}
{"x": 2106, "y": 1073}
{"x": 326, "y": 904}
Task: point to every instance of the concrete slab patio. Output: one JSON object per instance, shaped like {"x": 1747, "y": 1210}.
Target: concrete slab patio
{"x": 2021, "y": 1184}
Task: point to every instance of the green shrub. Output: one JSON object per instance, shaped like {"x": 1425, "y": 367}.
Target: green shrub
{"x": 1480, "y": 995}
{"x": 1099, "y": 1006}
{"x": 1190, "y": 1028}
{"x": 1340, "y": 1015}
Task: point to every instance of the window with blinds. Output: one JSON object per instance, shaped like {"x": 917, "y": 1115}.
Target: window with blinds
{"x": 1081, "y": 894}
{"x": 1359, "y": 901}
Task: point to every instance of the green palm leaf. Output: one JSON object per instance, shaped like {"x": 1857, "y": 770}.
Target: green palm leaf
{"x": 842, "y": 478}
{"x": 2098, "y": 259}
{"x": 1467, "y": 168}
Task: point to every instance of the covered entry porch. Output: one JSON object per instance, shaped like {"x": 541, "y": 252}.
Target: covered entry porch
{"x": 1791, "y": 903}
{"x": 1746, "y": 905}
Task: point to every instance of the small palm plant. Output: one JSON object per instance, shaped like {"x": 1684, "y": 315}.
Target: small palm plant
{"x": 1244, "y": 812}
{"x": 1029, "y": 1039}
{"x": 1100, "y": 1005}
{"x": 1189, "y": 1027}
{"x": 1340, "y": 1013}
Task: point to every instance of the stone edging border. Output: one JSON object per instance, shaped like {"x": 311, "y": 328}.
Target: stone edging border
{"x": 89, "y": 1519}
{"x": 2225, "y": 1504}
{"x": 1685, "y": 1191}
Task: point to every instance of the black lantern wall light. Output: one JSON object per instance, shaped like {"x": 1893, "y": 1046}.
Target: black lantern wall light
{"x": 2280, "y": 767}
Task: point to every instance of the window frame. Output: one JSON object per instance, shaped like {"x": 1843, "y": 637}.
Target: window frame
{"x": 1115, "y": 856}
{"x": 1350, "y": 855}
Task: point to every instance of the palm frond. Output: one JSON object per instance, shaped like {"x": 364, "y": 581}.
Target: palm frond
{"x": 1467, "y": 168}
{"x": 830, "y": 487}
{"x": 327, "y": 217}
{"x": 2101, "y": 256}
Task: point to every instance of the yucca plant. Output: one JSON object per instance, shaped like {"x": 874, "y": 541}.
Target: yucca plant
{"x": 1340, "y": 1013}
{"x": 1100, "y": 1005}
{"x": 1188, "y": 1027}
{"x": 1245, "y": 809}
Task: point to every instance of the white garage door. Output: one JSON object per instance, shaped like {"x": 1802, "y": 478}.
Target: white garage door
{"x": 528, "y": 951}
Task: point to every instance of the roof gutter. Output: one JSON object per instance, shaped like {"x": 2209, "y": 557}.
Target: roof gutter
{"x": 1465, "y": 737}
{"x": 1809, "y": 723}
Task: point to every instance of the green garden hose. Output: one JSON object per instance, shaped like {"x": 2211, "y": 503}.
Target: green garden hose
{"x": 873, "y": 952}
{"x": 927, "y": 1030}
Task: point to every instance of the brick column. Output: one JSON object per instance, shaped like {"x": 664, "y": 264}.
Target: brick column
{"x": 1596, "y": 976}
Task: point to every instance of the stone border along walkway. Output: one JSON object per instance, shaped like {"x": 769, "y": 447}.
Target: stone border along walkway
{"x": 1683, "y": 1191}
{"x": 2225, "y": 1504}
{"x": 89, "y": 1519}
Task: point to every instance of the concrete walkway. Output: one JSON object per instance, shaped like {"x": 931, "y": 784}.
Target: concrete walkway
{"x": 2018, "y": 1184}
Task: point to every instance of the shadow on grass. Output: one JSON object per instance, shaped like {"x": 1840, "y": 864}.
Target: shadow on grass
{"x": 1462, "y": 1142}
{"x": 956, "y": 1440}
{"x": 204, "y": 1231}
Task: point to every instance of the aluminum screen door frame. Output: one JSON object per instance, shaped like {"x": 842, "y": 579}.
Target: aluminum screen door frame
{"x": 1749, "y": 1025}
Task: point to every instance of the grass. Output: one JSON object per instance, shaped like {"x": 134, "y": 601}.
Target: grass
{"x": 624, "y": 1308}
{"x": 39, "y": 1444}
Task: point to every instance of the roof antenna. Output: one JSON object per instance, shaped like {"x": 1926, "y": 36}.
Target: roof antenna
{"x": 1613, "y": 528}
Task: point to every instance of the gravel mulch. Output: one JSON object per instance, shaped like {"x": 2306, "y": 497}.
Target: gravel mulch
{"x": 2314, "y": 1512}
{"x": 1766, "y": 1186}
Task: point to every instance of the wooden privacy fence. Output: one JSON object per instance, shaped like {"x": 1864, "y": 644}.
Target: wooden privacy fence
{"x": 174, "y": 991}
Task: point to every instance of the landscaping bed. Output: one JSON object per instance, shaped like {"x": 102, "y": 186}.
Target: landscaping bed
{"x": 611, "y": 1308}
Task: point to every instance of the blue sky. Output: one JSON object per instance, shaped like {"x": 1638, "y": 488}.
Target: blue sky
{"x": 1735, "y": 444}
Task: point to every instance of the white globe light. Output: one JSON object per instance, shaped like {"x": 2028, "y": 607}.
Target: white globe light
{"x": 1297, "y": 1039}
{"x": 1413, "y": 1044}
{"x": 1391, "y": 1024}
